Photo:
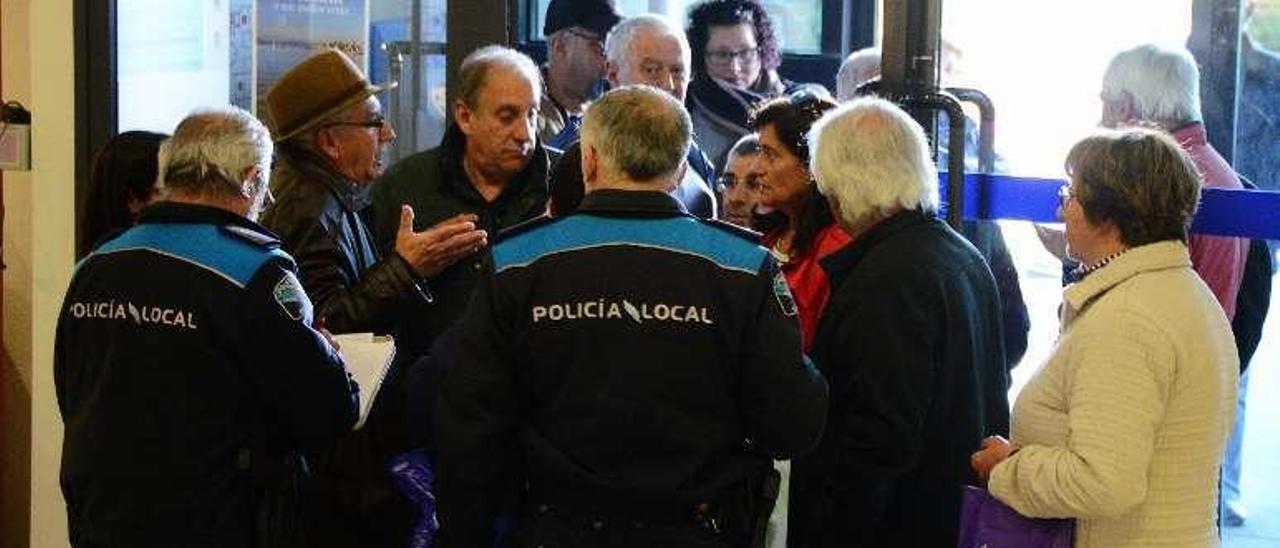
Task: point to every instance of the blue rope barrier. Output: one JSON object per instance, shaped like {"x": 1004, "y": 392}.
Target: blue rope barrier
{"x": 1243, "y": 213}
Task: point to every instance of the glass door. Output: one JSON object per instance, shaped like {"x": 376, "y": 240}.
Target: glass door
{"x": 1042, "y": 64}
{"x": 229, "y": 52}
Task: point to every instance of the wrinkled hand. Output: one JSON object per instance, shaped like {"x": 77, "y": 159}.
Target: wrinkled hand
{"x": 1054, "y": 241}
{"x": 994, "y": 450}
{"x": 431, "y": 251}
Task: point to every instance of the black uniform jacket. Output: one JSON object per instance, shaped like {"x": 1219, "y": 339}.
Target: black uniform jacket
{"x": 320, "y": 217}
{"x": 183, "y": 356}
{"x": 627, "y": 354}
{"x": 910, "y": 342}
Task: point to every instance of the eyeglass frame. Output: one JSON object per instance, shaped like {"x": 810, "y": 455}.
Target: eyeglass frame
{"x": 1065, "y": 193}
{"x": 377, "y": 122}
{"x": 752, "y": 181}
{"x": 747, "y": 55}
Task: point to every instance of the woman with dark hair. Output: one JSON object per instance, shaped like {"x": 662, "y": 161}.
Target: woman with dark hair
{"x": 799, "y": 228}
{"x": 735, "y": 68}
{"x": 123, "y": 180}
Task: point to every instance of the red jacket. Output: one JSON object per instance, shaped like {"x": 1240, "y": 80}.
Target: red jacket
{"x": 1218, "y": 260}
{"x": 808, "y": 281}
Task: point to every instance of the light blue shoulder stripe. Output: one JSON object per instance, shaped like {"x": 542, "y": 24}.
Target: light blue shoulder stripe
{"x": 677, "y": 234}
{"x": 202, "y": 245}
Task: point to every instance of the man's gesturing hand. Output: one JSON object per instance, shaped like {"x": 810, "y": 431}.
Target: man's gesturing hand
{"x": 431, "y": 251}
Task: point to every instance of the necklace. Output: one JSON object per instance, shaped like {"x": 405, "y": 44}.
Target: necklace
{"x": 1085, "y": 269}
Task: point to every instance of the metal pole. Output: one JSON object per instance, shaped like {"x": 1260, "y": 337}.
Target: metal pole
{"x": 415, "y": 72}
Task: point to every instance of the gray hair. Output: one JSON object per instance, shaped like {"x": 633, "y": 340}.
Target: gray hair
{"x": 858, "y": 68}
{"x": 475, "y": 69}
{"x": 618, "y": 43}
{"x": 872, "y": 159}
{"x": 640, "y": 131}
{"x": 1163, "y": 81}
{"x": 210, "y": 150}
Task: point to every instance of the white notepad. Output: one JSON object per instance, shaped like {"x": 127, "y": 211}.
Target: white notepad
{"x": 368, "y": 359}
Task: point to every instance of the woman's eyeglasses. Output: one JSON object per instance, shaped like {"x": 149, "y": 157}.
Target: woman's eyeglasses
{"x": 1064, "y": 194}
{"x": 726, "y": 57}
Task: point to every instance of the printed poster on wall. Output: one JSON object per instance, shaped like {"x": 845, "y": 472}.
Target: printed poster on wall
{"x": 289, "y": 31}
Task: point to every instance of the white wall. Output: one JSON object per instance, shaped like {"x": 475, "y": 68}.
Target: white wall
{"x": 39, "y": 234}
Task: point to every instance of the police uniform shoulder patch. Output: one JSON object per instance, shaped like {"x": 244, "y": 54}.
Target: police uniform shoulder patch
{"x": 289, "y": 295}
{"x": 782, "y": 292}
{"x": 250, "y": 235}
{"x": 744, "y": 233}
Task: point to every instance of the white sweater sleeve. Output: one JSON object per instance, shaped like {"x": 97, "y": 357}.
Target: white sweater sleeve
{"x": 1117, "y": 381}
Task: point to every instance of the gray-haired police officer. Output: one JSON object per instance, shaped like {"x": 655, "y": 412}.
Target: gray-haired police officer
{"x": 629, "y": 370}
{"x": 185, "y": 362}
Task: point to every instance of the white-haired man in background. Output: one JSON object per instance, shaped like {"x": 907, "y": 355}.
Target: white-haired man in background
{"x": 858, "y": 68}
{"x": 1160, "y": 86}
{"x": 649, "y": 50}
{"x": 914, "y": 316}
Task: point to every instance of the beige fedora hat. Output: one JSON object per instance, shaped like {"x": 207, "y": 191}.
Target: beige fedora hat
{"x": 319, "y": 87}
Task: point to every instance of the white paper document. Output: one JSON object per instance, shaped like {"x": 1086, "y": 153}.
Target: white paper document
{"x": 368, "y": 359}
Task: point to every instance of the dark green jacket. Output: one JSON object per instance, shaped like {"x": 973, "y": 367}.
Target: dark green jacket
{"x": 434, "y": 184}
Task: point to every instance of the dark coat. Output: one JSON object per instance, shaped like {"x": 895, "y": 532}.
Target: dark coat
{"x": 910, "y": 343}
{"x": 1254, "y": 298}
{"x": 186, "y": 370}
{"x": 434, "y": 183}
{"x": 318, "y": 215}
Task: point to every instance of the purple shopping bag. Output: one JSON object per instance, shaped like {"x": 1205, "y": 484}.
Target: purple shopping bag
{"x": 414, "y": 475}
{"x": 988, "y": 523}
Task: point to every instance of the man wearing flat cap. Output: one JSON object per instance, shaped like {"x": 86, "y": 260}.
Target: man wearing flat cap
{"x": 575, "y": 31}
{"x": 330, "y": 132}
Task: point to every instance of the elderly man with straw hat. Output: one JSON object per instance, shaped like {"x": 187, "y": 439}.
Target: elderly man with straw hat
{"x": 330, "y": 131}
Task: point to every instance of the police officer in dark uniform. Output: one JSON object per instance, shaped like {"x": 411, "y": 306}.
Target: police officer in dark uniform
{"x": 188, "y": 373}
{"x": 627, "y": 373}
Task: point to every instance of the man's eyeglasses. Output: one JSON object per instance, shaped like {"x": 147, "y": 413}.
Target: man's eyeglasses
{"x": 727, "y": 182}
{"x": 375, "y": 122}
{"x": 726, "y": 57}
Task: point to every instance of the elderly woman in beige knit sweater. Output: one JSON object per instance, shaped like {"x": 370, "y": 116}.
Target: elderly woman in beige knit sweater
{"x": 1124, "y": 426}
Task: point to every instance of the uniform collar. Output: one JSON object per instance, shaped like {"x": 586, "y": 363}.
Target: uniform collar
{"x": 649, "y": 202}
{"x": 174, "y": 212}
